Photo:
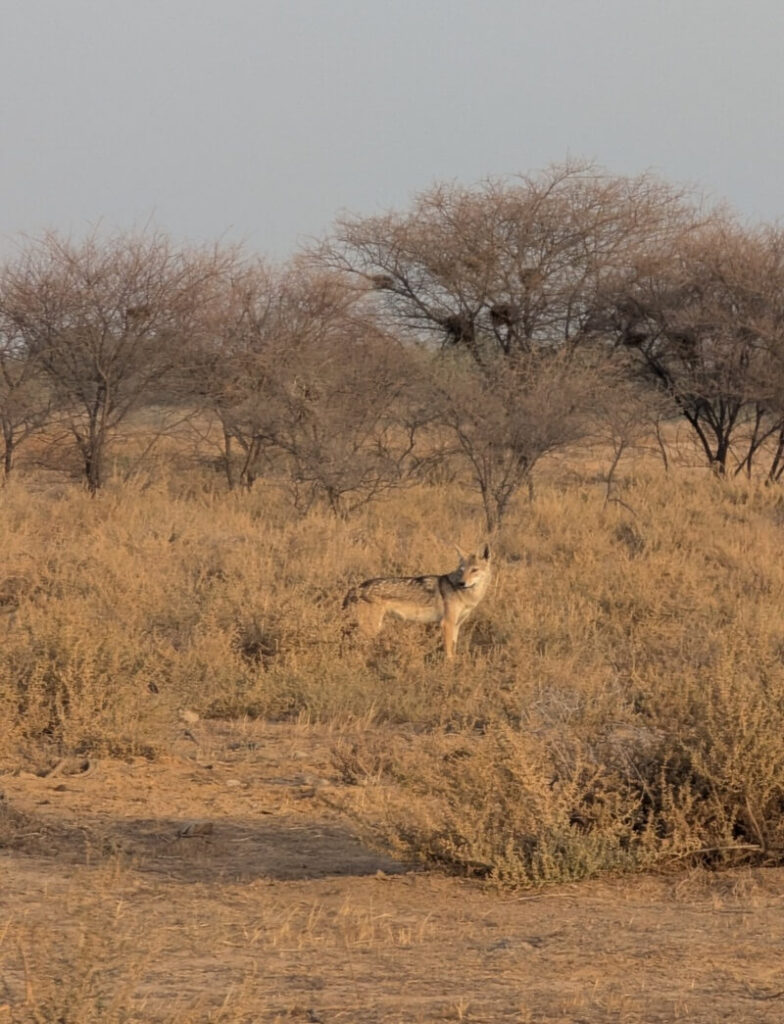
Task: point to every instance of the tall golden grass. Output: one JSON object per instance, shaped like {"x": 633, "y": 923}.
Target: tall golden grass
{"x": 617, "y": 703}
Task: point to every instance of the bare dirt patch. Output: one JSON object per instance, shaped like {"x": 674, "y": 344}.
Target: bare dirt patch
{"x": 221, "y": 883}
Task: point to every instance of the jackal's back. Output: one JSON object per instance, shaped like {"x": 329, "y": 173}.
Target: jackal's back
{"x": 422, "y": 590}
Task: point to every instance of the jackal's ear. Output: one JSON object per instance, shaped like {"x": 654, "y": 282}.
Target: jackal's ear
{"x": 460, "y": 553}
{"x": 486, "y": 553}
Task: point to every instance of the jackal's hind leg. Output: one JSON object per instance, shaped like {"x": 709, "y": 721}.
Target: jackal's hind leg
{"x": 370, "y": 618}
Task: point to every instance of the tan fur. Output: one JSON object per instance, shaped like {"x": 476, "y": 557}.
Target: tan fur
{"x": 447, "y": 599}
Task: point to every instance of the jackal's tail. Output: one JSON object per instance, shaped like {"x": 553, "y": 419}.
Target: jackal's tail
{"x": 351, "y": 598}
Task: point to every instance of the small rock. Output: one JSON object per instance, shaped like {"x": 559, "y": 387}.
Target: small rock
{"x": 196, "y": 828}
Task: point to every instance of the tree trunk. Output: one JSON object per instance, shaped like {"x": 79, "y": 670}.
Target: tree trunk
{"x": 227, "y": 459}
{"x": 8, "y": 451}
{"x": 93, "y": 459}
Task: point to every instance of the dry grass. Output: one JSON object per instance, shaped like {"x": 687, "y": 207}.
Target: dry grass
{"x": 618, "y": 703}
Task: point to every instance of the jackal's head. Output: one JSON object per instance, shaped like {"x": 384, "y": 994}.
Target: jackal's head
{"x": 473, "y": 569}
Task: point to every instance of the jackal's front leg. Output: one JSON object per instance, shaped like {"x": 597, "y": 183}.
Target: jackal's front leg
{"x": 450, "y": 637}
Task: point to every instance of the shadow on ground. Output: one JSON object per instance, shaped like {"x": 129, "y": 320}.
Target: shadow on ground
{"x": 205, "y": 851}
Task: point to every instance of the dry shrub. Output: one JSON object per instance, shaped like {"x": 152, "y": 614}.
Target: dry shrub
{"x": 517, "y": 808}
{"x": 117, "y": 611}
{"x": 618, "y": 701}
{"x": 631, "y": 711}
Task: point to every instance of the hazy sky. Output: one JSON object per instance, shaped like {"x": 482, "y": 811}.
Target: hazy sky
{"x": 262, "y": 119}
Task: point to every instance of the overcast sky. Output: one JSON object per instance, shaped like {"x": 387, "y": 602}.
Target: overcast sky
{"x": 261, "y": 120}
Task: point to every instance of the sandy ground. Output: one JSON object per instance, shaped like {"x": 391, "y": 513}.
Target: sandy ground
{"x": 221, "y": 883}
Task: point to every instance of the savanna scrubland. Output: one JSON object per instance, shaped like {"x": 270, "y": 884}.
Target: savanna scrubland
{"x": 203, "y": 452}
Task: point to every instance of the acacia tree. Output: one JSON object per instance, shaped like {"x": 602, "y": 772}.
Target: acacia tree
{"x": 344, "y": 423}
{"x": 510, "y": 266}
{"x": 227, "y": 368}
{"x": 706, "y": 317}
{"x": 26, "y": 401}
{"x": 106, "y": 319}
{"x": 510, "y": 274}
{"x": 504, "y": 420}
{"x": 305, "y": 381}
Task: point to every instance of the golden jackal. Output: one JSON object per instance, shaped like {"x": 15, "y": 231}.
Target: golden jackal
{"x": 447, "y": 599}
